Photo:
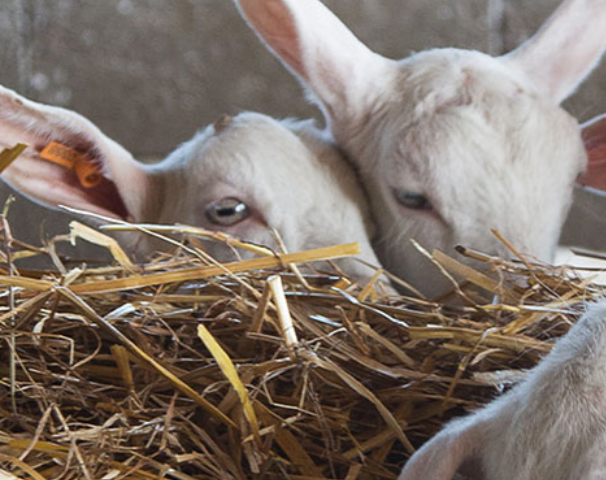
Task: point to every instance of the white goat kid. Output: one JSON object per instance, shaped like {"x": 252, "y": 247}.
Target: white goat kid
{"x": 448, "y": 142}
{"x": 249, "y": 176}
{"x": 552, "y": 426}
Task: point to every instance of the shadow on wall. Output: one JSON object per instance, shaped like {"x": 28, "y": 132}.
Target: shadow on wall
{"x": 150, "y": 73}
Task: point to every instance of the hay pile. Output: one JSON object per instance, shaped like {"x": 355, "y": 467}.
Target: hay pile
{"x": 185, "y": 369}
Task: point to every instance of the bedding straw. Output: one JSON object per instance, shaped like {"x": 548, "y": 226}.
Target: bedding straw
{"x": 184, "y": 369}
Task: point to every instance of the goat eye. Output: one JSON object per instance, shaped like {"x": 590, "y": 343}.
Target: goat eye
{"x": 227, "y": 211}
{"x": 415, "y": 201}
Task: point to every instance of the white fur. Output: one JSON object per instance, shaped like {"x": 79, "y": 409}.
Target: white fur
{"x": 291, "y": 176}
{"x": 482, "y": 138}
{"x": 551, "y": 426}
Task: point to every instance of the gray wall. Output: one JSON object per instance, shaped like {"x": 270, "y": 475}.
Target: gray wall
{"x": 151, "y": 72}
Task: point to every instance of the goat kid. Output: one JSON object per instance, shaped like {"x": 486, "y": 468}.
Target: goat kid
{"x": 449, "y": 143}
{"x": 245, "y": 176}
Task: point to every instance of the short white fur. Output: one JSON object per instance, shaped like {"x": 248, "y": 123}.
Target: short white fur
{"x": 483, "y": 139}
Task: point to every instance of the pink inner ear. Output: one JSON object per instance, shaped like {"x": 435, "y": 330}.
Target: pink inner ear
{"x": 53, "y": 180}
{"x": 55, "y": 185}
{"x": 275, "y": 24}
{"x": 102, "y": 197}
{"x": 594, "y": 138}
{"x": 595, "y": 176}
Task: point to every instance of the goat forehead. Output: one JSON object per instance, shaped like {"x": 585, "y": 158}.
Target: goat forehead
{"x": 251, "y": 151}
{"x": 448, "y": 74}
{"x": 454, "y": 106}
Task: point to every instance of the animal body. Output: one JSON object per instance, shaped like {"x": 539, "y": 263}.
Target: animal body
{"x": 449, "y": 143}
{"x": 552, "y": 426}
{"x": 244, "y": 176}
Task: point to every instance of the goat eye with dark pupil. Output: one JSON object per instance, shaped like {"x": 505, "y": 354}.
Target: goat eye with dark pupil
{"x": 414, "y": 201}
{"x": 227, "y": 211}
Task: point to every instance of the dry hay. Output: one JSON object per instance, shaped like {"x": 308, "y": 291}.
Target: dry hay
{"x": 184, "y": 369}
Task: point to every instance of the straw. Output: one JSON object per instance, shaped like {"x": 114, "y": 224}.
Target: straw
{"x": 180, "y": 369}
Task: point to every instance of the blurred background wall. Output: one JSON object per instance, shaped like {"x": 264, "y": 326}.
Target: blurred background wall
{"x": 150, "y": 73}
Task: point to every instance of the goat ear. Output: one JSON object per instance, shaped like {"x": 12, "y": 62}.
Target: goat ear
{"x": 594, "y": 137}
{"x": 453, "y": 449}
{"x": 566, "y": 49}
{"x": 337, "y": 69}
{"x": 68, "y": 160}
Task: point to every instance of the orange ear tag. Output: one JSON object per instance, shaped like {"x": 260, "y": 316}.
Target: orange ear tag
{"x": 87, "y": 172}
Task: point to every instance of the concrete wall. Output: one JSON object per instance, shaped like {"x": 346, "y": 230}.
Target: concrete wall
{"x": 151, "y": 72}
